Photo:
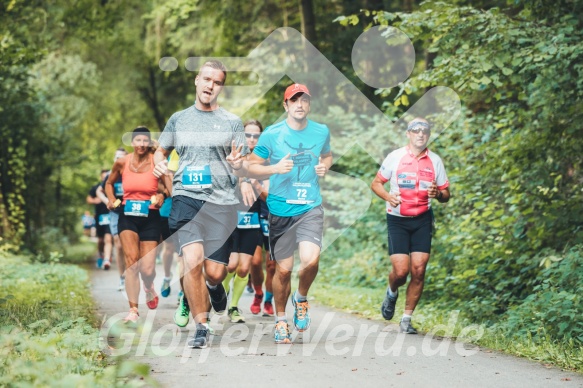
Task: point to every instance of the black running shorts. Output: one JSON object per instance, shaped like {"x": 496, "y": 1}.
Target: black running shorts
{"x": 409, "y": 234}
{"x": 165, "y": 232}
{"x": 246, "y": 240}
{"x": 147, "y": 228}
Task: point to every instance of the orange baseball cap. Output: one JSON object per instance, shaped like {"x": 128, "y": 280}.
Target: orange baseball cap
{"x": 294, "y": 89}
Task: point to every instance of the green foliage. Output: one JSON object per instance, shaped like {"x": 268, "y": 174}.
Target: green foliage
{"x": 47, "y": 329}
{"x": 75, "y": 82}
{"x": 555, "y": 306}
{"x": 79, "y": 253}
{"x": 505, "y": 249}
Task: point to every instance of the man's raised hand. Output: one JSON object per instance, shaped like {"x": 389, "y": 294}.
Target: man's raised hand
{"x": 235, "y": 158}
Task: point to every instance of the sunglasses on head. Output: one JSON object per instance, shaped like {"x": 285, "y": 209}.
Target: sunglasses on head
{"x": 252, "y": 135}
{"x": 425, "y": 131}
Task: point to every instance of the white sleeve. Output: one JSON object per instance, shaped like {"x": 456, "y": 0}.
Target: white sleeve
{"x": 385, "y": 172}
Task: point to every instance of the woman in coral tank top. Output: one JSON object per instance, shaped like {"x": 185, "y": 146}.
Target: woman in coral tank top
{"x": 139, "y": 222}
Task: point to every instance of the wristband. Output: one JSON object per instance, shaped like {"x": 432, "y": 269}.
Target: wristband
{"x": 246, "y": 180}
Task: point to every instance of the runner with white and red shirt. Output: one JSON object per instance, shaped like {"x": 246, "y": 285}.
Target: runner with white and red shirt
{"x": 415, "y": 175}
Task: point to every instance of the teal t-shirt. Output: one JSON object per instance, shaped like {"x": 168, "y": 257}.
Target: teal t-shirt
{"x": 298, "y": 191}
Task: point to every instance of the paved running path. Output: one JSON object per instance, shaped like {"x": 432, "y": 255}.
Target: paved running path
{"x": 339, "y": 350}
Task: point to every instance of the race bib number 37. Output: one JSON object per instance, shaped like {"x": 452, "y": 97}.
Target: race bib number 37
{"x": 197, "y": 177}
{"x": 246, "y": 220}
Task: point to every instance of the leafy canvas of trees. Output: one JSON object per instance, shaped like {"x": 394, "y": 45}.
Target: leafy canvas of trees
{"x": 76, "y": 75}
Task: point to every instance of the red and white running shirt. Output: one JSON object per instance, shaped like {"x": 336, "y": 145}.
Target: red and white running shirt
{"x": 411, "y": 177}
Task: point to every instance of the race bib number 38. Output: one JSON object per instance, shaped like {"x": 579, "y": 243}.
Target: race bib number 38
{"x": 197, "y": 177}
{"x": 136, "y": 208}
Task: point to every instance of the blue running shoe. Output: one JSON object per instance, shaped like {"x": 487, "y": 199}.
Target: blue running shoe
{"x": 281, "y": 333}
{"x": 301, "y": 316}
{"x": 165, "y": 291}
{"x": 201, "y": 338}
{"x": 99, "y": 262}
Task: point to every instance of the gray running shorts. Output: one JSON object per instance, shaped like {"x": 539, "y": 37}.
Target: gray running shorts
{"x": 285, "y": 233}
{"x": 194, "y": 220}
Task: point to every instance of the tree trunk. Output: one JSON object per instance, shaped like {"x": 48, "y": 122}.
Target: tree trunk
{"x": 150, "y": 94}
{"x": 5, "y": 226}
{"x": 308, "y": 20}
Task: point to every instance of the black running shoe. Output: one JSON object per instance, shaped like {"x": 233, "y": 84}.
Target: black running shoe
{"x": 406, "y": 327}
{"x": 218, "y": 298}
{"x": 388, "y": 307}
{"x": 200, "y": 339}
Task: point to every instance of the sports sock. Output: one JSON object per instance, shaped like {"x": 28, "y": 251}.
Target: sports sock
{"x": 268, "y": 296}
{"x": 238, "y": 287}
{"x": 391, "y": 293}
{"x": 406, "y": 317}
{"x": 299, "y": 297}
{"x": 210, "y": 286}
{"x": 227, "y": 282}
{"x": 280, "y": 318}
{"x": 258, "y": 289}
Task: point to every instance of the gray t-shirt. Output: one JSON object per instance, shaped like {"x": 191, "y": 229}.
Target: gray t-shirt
{"x": 203, "y": 139}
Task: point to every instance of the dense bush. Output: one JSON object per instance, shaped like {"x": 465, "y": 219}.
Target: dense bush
{"x": 513, "y": 160}
{"x": 48, "y": 334}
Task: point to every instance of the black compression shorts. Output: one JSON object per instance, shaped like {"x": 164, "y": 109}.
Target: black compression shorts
{"x": 409, "y": 234}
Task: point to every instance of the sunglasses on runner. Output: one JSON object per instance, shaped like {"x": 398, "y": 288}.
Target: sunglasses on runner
{"x": 252, "y": 135}
{"x": 425, "y": 131}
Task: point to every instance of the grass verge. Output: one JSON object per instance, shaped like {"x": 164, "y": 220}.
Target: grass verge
{"x": 48, "y": 334}
{"x": 366, "y": 302}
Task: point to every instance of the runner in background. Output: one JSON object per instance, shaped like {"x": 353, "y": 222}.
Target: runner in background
{"x": 261, "y": 255}
{"x": 88, "y": 222}
{"x": 247, "y": 236}
{"x": 168, "y": 243}
{"x": 113, "y": 221}
{"x": 253, "y": 130}
{"x": 104, "y": 240}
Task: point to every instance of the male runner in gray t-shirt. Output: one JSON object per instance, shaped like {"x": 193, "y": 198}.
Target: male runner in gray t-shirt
{"x": 203, "y": 200}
